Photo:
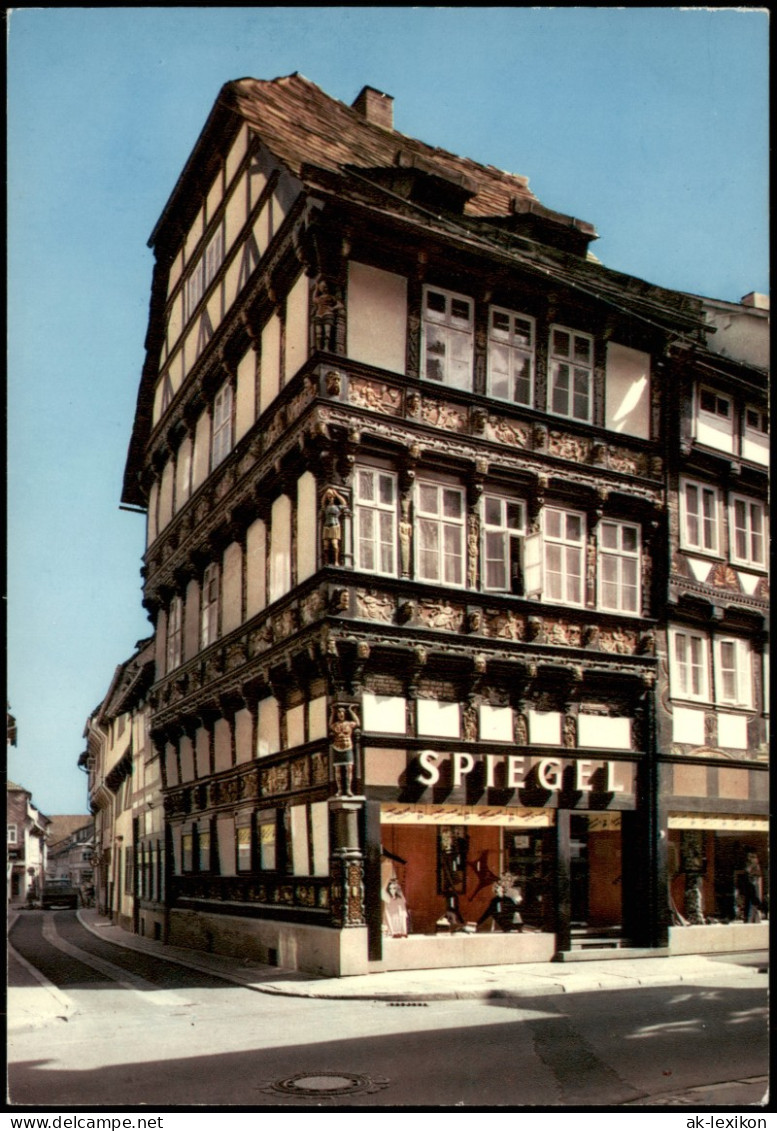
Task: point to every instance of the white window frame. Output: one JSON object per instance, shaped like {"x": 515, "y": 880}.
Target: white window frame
{"x": 722, "y": 422}
{"x": 759, "y": 430}
{"x": 733, "y": 656}
{"x": 221, "y": 431}
{"x": 752, "y": 557}
{"x": 13, "y": 834}
{"x": 621, "y": 557}
{"x": 518, "y": 353}
{"x": 451, "y": 331}
{"x": 209, "y": 614}
{"x": 681, "y": 670}
{"x": 508, "y": 535}
{"x": 174, "y": 652}
{"x": 568, "y": 546}
{"x": 559, "y": 360}
{"x": 373, "y": 539}
{"x": 699, "y": 544}
{"x": 443, "y": 524}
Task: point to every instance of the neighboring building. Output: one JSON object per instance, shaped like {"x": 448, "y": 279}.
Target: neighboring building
{"x": 70, "y": 852}
{"x": 26, "y": 845}
{"x": 405, "y": 449}
{"x": 123, "y": 795}
{"x": 713, "y": 701}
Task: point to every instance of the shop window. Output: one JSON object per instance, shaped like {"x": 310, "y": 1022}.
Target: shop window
{"x": 440, "y": 527}
{"x": 174, "y": 633}
{"x": 510, "y": 356}
{"x": 221, "y": 441}
{"x": 447, "y": 338}
{"x": 746, "y": 529}
{"x": 688, "y": 665}
{"x": 504, "y": 526}
{"x": 375, "y": 521}
{"x": 715, "y": 420}
{"x": 699, "y": 517}
{"x": 210, "y": 606}
{"x": 570, "y": 376}
{"x": 619, "y": 567}
{"x": 733, "y": 672}
{"x": 554, "y": 559}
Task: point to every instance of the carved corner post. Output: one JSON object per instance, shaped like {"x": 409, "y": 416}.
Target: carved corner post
{"x": 346, "y": 884}
{"x": 475, "y": 487}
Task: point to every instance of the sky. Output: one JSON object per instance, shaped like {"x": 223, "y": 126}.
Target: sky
{"x": 650, "y": 123}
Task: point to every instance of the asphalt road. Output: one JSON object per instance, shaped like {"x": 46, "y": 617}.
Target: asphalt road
{"x": 141, "y": 1031}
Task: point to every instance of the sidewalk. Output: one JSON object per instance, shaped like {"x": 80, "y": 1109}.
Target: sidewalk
{"x": 415, "y": 986}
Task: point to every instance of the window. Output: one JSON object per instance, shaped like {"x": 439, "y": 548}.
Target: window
{"x": 756, "y": 422}
{"x": 243, "y": 842}
{"x": 12, "y": 834}
{"x": 698, "y": 517}
{"x": 504, "y": 524}
{"x": 440, "y": 525}
{"x": 267, "y": 840}
{"x": 714, "y": 420}
{"x": 714, "y": 405}
{"x": 447, "y": 338}
{"x": 204, "y": 861}
{"x": 570, "y": 384}
{"x": 187, "y": 843}
{"x": 510, "y": 356}
{"x": 204, "y": 272}
{"x": 174, "y": 633}
{"x": 375, "y": 525}
{"x": 755, "y": 435}
{"x": 733, "y": 678}
{"x": 619, "y": 567}
{"x": 564, "y": 548}
{"x": 209, "y": 628}
{"x": 746, "y": 519}
{"x": 221, "y": 443}
{"x": 688, "y": 664}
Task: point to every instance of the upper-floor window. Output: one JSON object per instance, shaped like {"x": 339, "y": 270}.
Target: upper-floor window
{"x": 510, "y": 356}
{"x": 209, "y": 627}
{"x": 375, "y": 521}
{"x": 688, "y": 664}
{"x": 554, "y": 560}
{"x": 755, "y": 435}
{"x": 733, "y": 673}
{"x": 440, "y": 533}
{"x": 619, "y": 567}
{"x": 174, "y": 633}
{"x": 715, "y": 419}
{"x": 12, "y": 834}
{"x": 504, "y": 525}
{"x": 447, "y": 341}
{"x": 746, "y": 532}
{"x": 570, "y": 373}
{"x": 699, "y": 517}
{"x": 221, "y": 443}
{"x": 204, "y": 272}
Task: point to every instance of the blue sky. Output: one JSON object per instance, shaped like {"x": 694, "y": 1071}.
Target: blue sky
{"x": 651, "y": 123}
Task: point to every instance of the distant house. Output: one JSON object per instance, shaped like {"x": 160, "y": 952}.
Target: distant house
{"x": 70, "y": 850}
{"x": 26, "y": 844}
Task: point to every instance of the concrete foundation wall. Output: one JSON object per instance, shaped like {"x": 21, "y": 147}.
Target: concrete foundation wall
{"x": 432, "y": 952}
{"x": 718, "y": 938}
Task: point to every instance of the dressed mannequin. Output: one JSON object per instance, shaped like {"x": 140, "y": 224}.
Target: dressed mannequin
{"x": 394, "y": 910}
{"x": 503, "y": 908}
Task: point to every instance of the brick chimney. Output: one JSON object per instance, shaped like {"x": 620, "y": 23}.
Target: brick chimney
{"x": 376, "y": 107}
{"x": 759, "y": 301}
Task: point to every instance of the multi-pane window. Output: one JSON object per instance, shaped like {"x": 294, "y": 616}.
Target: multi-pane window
{"x": 204, "y": 272}
{"x": 375, "y": 521}
{"x": 714, "y": 404}
{"x": 715, "y": 420}
{"x": 619, "y": 568}
{"x": 688, "y": 664}
{"x": 12, "y": 834}
{"x": 564, "y": 556}
{"x": 746, "y": 519}
{"x": 440, "y": 530}
{"x": 756, "y": 421}
{"x": 733, "y": 679}
{"x": 448, "y": 322}
{"x": 570, "y": 373}
{"x": 504, "y": 524}
{"x": 699, "y": 517}
{"x": 221, "y": 443}
{"x": 174, "y": 633}
{"x": 510, "y": 356}
{"x": 209, "y": 627}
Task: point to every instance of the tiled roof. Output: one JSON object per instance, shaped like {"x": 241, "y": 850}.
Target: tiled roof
{"x": 62, "y": 826}
{"x": 302, "y": 125}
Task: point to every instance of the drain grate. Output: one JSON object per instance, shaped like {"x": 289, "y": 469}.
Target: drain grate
{"x": 327, "y": 1083}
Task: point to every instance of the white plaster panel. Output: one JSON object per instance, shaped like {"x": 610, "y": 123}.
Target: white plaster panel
{"x": 243, "y": 736}
{"x": 300, "y": 849}
{"x": 699, "y": 567}
{"x": 604, "y": 733}
{"x": 319, "y": 819}
{"x": 384, "y": 713}
{"x": 544, "y": 728}
{"x": 496, "y": 723}
{"x": 280, "y": 548}
{"x": 437, "y": 719}
{"x": 317, "y": 718}
{"x": 245, "y": 406}
{"x": 296, "y": 352}
{"x": 732, "y": 731}
{"x": 688, "y": 725}
{"x": 222, "y": 745}
{"x": 232, "y": 588}
{"x": 377, "y": 317}
{"x": 256, "y": 568}
{"x": 225, "y": 834}
{"x": 295, "y": 726}
{"x": 270, "y": 381}
{"x": 268, "y": 740}
{"x": 306, "y": 526}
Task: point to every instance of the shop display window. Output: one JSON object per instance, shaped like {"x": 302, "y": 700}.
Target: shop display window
{"x": 717, "y": 876}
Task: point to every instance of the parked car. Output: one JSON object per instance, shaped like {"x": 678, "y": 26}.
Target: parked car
{"x": 59, "y": 893}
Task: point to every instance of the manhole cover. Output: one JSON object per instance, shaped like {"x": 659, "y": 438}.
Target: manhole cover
{"x": 322, "y": 1084}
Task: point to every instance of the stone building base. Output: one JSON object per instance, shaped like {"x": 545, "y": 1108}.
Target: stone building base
{"x": 719, "y": 938}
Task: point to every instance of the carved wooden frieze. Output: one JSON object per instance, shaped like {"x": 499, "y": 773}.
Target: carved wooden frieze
{"x": 516, "y": 435}
{"x": 724, "y": 577}
{"x": 260, "y": 640}
{"x": 284, "y": 624}
{"x": 442, "y": 415}
{"x": 300, "y": 773}
{"x": 275, "y": 779}
{"x": 305, "y": 895}
{"x": 375, "y": 606}
{"x": 440, "y": 614}
{"x": 319, "y": 769}
{"x": 375, "y": 396}
{"x": 563, "y": 632}
{"x": 312, "y": 607}
{"x": 298, "y": 402}
{"x": 762, "y": 589}
{"x": 621, "y": 641}
{"x": 504, "y": 625}
{"x": 236, "y": 655}
{"x": 569, "y": 447}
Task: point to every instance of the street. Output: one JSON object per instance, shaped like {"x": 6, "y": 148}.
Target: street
{"x": 141, "y": 1030}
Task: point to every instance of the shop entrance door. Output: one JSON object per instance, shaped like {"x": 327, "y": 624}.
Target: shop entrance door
{"x": 595, "y": 872}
